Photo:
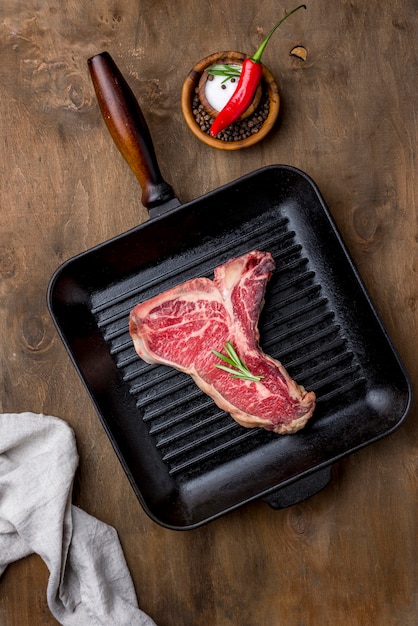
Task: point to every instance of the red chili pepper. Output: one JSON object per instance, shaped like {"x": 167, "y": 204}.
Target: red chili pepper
{"x": 251, "y": 73}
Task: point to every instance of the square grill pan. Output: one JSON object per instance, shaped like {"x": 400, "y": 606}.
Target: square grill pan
{"x": 187, "y": 461}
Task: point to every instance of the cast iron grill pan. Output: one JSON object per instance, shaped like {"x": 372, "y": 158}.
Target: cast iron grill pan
{"x": 188, "y": 461}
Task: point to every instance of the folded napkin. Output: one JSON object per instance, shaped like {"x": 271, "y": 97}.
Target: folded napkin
{"x": 89, "y": 582}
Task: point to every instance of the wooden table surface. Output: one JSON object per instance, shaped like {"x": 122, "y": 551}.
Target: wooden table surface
{"x": 349, "y": 118}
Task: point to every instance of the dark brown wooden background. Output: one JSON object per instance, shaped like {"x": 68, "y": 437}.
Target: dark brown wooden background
{"x": 349, "y": 118}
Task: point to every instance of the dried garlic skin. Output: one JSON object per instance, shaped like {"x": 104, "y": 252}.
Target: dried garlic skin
{"x": 300, "y": 52}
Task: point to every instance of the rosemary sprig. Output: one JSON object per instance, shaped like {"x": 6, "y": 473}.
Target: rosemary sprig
{"x": 228, "y": 71}
{"x": 237, "y": 367}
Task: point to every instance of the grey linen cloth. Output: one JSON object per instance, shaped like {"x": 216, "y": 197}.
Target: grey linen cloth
{"x": 89, "y": 582}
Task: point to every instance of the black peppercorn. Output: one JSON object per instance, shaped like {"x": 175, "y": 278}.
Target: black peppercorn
{"x": 238, "y": 130}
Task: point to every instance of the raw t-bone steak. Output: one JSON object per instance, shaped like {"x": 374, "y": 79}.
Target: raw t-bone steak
{"x": 182, "y": 326}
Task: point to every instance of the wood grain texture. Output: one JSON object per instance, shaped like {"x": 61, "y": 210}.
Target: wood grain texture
{"x": 349, "y": 118}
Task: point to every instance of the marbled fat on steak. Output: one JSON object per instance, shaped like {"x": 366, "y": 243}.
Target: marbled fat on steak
{"x": 182, "y": 326}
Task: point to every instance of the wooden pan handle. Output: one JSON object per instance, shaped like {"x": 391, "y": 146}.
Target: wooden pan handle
{"x": 128, "y": 128}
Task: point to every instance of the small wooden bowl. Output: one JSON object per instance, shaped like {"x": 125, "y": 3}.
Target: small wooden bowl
{"x": 191, "y": 84}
